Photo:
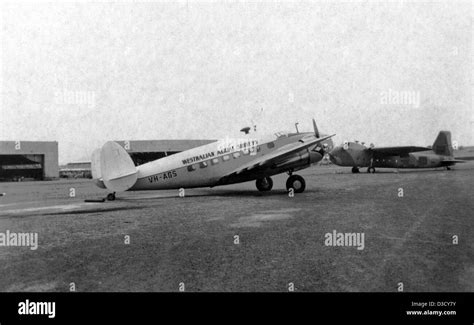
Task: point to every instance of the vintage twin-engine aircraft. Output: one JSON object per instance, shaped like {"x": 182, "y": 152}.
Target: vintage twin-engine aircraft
{"x": 357, "y": 155}
{"x": 217, "y": 163}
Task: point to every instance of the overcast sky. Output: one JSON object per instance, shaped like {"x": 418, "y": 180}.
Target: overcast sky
{"x": 85, "y": 73}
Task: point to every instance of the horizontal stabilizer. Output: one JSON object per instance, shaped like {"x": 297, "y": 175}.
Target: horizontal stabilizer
{"x": 95, "y": 164}
{"x": 117, "y": 168}
{"x": 95, "y": 168}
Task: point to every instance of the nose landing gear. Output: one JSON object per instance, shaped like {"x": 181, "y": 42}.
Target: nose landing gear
{"x": 371, "y": 170}
{"x": 111, "y": 196}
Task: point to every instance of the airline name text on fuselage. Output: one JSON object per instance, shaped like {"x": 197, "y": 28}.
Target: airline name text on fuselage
{"x": 221, "y": 151}
{"x": 198, "y": 158}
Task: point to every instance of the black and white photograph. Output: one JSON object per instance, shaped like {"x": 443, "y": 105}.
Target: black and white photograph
{"x": 188, "y": 149}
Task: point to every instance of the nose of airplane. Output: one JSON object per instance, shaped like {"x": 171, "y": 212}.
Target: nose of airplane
{"x": 334, "y": 155}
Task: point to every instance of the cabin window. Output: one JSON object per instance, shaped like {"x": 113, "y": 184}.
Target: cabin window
{"x": 215, "y": 161}
{"x": 203, "y": 164}
{"x": 225, "y": 158}
{"x": 236, "y": 154}
{"x": 191, "y": 168}
{"x": 270, "y": 145}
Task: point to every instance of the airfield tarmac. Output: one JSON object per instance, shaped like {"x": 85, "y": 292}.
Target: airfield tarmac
{"x": 190, "y": 240}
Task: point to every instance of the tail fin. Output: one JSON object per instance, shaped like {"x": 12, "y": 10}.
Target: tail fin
{"x": 117, "y": 168}
{"x": 112, "y": 168}
{"x": 442, "y": 144}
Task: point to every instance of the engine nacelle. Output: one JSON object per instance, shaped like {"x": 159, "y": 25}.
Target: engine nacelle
{"x": 301, "y": 160}
{"x": 315, "y": 157}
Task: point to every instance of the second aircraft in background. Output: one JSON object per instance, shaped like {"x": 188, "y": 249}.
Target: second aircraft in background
{"x": 355, "y": 155}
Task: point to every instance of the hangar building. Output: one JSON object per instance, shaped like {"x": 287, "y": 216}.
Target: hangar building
{"x": 26, "y": 160}
{"x": 80, "y": 169}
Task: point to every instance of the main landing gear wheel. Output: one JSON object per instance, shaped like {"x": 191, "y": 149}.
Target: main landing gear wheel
{"x": 264, "y": 184}
{"x": 296, "y": 182}
{"x": 371, "y": 170}
{"x": 111, "y": 196}
{"x": 355, "y": 170}
{"x": 448, "y": 168}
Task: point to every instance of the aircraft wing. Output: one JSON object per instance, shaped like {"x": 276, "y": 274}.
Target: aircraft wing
{"x": 277, "y": 155}
{"x": 396, "y": 151}
{"x": 449, "y": 162}
{"x": 463, "y": 159}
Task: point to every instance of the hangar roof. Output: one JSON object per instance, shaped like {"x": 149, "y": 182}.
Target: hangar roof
{"x": 27, "y": 147}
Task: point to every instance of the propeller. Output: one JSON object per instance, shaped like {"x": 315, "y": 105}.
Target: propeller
{"x": 316, "y": 132}
{"x": 325, "y": 147}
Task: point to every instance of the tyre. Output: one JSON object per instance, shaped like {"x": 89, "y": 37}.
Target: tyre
{"x": 296, "y": 182}
{"x": 264, "y": 184}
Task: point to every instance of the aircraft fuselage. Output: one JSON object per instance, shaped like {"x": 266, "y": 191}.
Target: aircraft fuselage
{"x": 206, "y": 165}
